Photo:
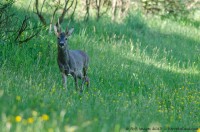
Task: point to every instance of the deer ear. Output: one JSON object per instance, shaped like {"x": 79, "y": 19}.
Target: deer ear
{"x": 56, "y": 31}
{"x": 68, "y": 33}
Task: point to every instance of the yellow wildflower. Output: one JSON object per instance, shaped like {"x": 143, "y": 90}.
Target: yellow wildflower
{"x": 198, "y": 130}
{"x": 30, "y": 120}
{"x": 18, "y": 118}
{"x": 45, "y": 117}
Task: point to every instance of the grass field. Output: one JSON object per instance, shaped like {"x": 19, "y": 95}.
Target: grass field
{"x": 144, "y": 73}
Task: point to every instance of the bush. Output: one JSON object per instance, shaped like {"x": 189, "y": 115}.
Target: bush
{"x": 175, "y": 8}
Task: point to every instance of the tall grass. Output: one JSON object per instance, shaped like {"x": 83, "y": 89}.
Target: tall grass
{"x": 144, "y": 73}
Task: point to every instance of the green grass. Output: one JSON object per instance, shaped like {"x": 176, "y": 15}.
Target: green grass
{"x": 144, "y": 72}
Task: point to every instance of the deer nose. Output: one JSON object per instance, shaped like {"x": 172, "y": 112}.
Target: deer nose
{"x": 62, "y": 43}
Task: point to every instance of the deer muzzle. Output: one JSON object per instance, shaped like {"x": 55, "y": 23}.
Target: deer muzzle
{"x": 61, "y": 44}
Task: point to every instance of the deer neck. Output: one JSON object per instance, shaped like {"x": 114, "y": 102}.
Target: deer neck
{"x": 63, "y": 55}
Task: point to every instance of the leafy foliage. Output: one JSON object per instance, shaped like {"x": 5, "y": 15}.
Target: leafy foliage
{"x": 14, "y": 27}
{"x": 6, "y": 20}
{"x": 174, "y": 8}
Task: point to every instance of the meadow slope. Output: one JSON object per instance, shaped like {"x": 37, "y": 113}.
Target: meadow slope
{"x": 144, "y": 72}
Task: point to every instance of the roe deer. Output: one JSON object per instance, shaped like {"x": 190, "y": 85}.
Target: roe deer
{"x": 71, "y": 62}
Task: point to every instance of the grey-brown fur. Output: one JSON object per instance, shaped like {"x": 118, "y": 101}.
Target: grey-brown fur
{"x": 71, "y": 62}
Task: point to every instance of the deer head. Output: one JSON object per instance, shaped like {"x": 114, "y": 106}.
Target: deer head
{"x": 62, "y": 36}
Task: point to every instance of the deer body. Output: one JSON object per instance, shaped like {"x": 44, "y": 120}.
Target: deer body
{"x": 71, "y": 62}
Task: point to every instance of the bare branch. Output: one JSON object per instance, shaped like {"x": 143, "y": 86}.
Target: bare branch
{"x": 41, "y": 17}
{"x": 30, "y": 37}
{"x": 70, "y": 5}
{"x": 65, "y": 9}
{"x": 87, "y": 14}
{"x": 42, "y": 5}
{"x": 22, "y": 28}
{"x": 72, "y": 15}
{"x": 103, "y": 13}
{"x": 52, "y": 18}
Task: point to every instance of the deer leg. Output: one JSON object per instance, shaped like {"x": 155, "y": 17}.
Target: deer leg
{"x": 76, "y": 82}
{"x": 64, "y": 77}
{"x": 86, "y": 78}
{"x": 83, "y": 82}
{"x": 87, "y": 81}
{"x": 81, "y": 77}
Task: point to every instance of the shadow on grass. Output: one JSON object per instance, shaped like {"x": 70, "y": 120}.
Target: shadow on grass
{"x": 133, "y": 75}
{"x": 134, "y": 28}
{"x": 128, "y": 73}
{"x": 138, "y": 72}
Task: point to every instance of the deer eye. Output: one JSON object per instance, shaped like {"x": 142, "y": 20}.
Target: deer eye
{"x": 65, "y": 38}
